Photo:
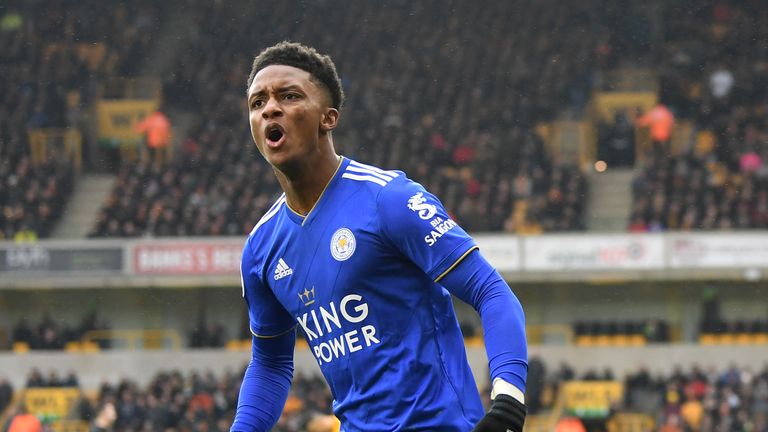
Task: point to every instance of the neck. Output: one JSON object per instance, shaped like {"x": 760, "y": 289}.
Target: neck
{"x": 304, "y": 181}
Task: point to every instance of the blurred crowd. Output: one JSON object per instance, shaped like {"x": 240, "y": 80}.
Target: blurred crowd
{"x": 455, "y": 110}
{"x": 713, "y": 69}
{"x": 32, "y": 195}
{"x": 697, "y": 399}
{"x": 651, "y": 330}
{"x": 49, "y": 334}
{"x": 53, "y": 57}
{"x": 173, "y": 401}
{"x": 689, "y": 399}
{"x": 698, "y": 191}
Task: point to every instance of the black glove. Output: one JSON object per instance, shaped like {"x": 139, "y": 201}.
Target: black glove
{"x": 507, "y": 414}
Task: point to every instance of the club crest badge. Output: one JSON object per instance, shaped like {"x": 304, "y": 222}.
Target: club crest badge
{"x": 343, "y": 244}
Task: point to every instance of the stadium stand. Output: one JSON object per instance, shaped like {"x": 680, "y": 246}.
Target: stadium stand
{"x": 712, "y": 73}
{"x": 489, "y": 167}
{"x": 481, "y": 155}
{"x": 53, "y": 60}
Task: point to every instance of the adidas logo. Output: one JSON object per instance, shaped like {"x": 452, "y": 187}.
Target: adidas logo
{"x": 282, "y": 270}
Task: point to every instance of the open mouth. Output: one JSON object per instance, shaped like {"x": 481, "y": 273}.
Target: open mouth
{"x": 274, "y": 133}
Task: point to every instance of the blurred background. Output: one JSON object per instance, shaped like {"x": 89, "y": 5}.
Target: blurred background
{"x": 609, "y": 158}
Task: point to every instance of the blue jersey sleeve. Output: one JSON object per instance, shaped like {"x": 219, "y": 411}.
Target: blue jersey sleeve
{"x": 267, "y": 316}
{"x": 266, "y": 384}
{"x": 419, "y": 227}
{"x": 268, "y": 376}
{"x": 476, "y": 282}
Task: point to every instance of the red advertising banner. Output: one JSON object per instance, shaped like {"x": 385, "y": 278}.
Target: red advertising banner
{"x": 187, "y": 258}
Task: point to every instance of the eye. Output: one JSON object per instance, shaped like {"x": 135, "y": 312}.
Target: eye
{"x": 291, "y": 96}
{"x": 257, "y": 103}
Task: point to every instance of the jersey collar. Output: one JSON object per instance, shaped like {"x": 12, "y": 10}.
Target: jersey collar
{"x": 306, "y": 220}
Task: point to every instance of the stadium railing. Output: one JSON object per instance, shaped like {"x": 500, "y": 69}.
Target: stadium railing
{"x": 71, "y": 140}
{"x": 152, "y": 339}
{"x": 70, "y": 426}
{"x": 630, "y": 422}
{"x": 131, "y": 88}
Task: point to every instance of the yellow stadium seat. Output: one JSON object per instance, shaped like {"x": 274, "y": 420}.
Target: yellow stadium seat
{"x": 727, "y": 338}
{"x": 475, "y": 341}
{"x": 708, "y": 339}
{"x": 89, "y": 347}
{"x": 585, "y": 340}
{"x": 603, "y": 340}
{"x": 73, "y": 346}
{"x": 233, "y": 345}
{"x": 20, "y": 347}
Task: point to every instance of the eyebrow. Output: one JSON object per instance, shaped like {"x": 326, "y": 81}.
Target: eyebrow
{"x": 280, "y": 89}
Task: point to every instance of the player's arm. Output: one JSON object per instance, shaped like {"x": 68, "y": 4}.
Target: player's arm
{"x": 418, "y": 225}
{"x": 268, "y": 375}
{"x": 266, "y": 383}
{"x": 476, "y": 282}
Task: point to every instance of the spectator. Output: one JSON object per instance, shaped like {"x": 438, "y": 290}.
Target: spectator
{"x": 661, "y": 121}
{"x": 570, "y": 424}
{"x": 750, "y": 162}
{"x": 23, "y": 421}
{"x": 157, "y": 136}
{"x": 6, "y": 393}
{"x": 35, "y": 379}
{"x": 692, "y": 410}
{"x": 616, "y": 141}
{"x": 721, "y": 82}
{"x": 105, "y": 418}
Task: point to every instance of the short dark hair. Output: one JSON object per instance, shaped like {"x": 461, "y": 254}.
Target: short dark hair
{"x": 319, "y": 66}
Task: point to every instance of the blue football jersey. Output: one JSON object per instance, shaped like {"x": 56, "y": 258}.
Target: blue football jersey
{"x": 360, "y": 277}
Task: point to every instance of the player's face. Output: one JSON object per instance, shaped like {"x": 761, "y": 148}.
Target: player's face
{"x": 288, "y": 112}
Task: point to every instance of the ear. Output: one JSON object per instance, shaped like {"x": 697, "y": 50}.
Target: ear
{"x": 330, "y": 120}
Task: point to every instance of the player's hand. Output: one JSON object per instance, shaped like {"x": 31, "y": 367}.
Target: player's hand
{"x": 507, "y": 414}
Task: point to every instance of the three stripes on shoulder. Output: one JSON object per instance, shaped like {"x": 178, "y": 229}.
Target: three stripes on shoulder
{"x": 362, "y": 172}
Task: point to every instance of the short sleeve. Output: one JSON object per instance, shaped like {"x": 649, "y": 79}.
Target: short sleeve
{"x": 267, "y": 317}
{"x": 418, "y": 225}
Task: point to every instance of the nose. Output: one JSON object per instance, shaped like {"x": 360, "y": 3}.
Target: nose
{"x": 271, "y": 109}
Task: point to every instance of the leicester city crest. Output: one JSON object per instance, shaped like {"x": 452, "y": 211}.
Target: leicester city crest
{"x": 342, "y": 244}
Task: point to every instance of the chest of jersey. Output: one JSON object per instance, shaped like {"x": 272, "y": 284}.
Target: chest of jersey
{"x": 321, "y": 272}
